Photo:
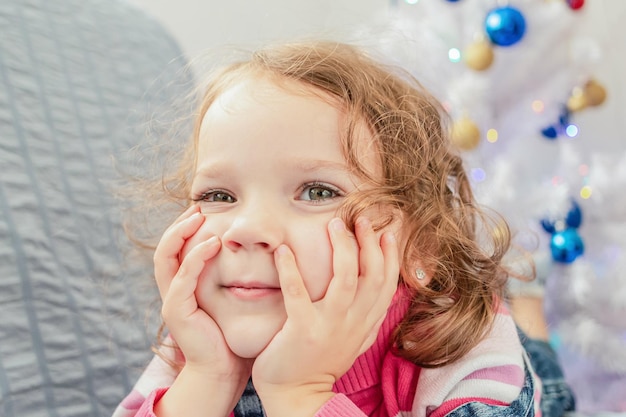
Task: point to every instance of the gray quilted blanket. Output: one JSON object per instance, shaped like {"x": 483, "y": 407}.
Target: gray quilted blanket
{"x": 78, "y": 80}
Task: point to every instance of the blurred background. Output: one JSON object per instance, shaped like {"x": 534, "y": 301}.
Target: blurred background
{"x": 537, "y": 96}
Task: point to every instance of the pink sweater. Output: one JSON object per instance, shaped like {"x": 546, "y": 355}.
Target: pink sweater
{"x": 382, "y": 384}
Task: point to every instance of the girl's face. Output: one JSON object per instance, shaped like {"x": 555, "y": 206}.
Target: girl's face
{"x": 270, "y": 170}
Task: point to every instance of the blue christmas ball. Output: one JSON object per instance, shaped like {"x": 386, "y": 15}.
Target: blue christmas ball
{"x": 566, "y": 246}
{"x": 573, "y": 219}
{"x": 550, "y": 132}
{"x": 574, "y": 216}
{"x": 548, "y": 225}
{"x": 564, "y": 117}
{"x": 505, "y": 26}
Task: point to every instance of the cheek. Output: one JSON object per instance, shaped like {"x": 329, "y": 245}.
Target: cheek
{"x": 314, "y": 258}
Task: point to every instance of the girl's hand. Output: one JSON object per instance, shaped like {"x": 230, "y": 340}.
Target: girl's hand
{"x": 193, "y": 330}
{"x": 320, "y": 340}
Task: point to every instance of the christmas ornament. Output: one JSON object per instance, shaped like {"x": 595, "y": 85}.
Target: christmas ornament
{"x": 478, "y": 55}
{"x": 575, "y": 4}
{"x": 565, "y": 243}
{"x": 574, "y": 216}
{"x": 566, "y": 246}
{"x": 465, "y": 134}
{"x": 550, "y": 132}
{"x": 553, "y": 131}
{"x": 594, "y": 92}
{"x": 505, "y": 26}
{"x": 573, "y": 219}
{"x": 564, "y": 117}
{"x": 577, "y": 100}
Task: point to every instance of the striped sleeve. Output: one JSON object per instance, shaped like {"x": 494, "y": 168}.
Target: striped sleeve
{"x": 152, "y": 384}
{"x": 492, "y": 373}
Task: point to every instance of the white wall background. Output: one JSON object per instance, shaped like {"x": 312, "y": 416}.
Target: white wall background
{"x": 201, "y": 25}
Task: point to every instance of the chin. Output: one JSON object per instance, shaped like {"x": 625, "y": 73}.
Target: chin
{"x": 248, "y": 351}
{"x": 248, "y": 340}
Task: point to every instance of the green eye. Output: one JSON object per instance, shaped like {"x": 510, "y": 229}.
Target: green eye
{"x": 318, "y": 192}
{"x": 217, "y": 197}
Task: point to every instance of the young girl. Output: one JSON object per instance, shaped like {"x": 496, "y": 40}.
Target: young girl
{"x": 332, "y": 260}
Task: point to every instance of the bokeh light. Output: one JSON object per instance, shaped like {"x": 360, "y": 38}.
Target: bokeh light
{"x": 585, "y": 192}
{"x": 571, "y": 130}
{"x": 478, "y": 174}
{"x": 454, "y": 55}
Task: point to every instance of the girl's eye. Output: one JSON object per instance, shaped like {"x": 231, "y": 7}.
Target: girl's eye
{"x": 318, "y": 192}
{"x": 216, "y": 197}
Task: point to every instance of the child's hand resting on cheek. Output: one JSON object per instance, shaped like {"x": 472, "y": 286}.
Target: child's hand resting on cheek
{"x": 321, "y": 340}
{"x": 208, "y": 359}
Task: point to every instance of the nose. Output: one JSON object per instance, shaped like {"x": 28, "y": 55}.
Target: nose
{"x": 254, "y": 227}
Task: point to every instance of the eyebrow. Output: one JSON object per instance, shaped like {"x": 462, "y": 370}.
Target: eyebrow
{"x": 220, "y": 170}
{"x": 308, "y": 165}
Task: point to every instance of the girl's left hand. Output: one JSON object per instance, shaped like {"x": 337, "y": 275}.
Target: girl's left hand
{"x": 320, "y": 340}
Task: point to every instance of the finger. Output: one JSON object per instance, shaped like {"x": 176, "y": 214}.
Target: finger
{"x": 343, "y": 285}
{"x": 371, "y": 260}
{"x": 188, "y": 213}
{"x": 389, "y": 246}
{"x": 371, "y": 265}
{"x": 166, "y": 256}
{"x": 295, "y": 295}
{"x": 180, "y": 300}
{"x": 377, "y": 288}
{"x": 391, "y": 274}
{"x": 191, "y": 210}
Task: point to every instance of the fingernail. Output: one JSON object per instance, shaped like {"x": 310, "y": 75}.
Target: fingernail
{"x": 281, "y": 250}
{"x": 212, "y": 241}
{"x": 364, "y": 222}
{"x": 337, "y": 224}
{"x": 194, "y": 216}
{"x": 391, "y": 237}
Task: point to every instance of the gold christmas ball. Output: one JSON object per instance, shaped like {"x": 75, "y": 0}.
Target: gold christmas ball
{"x": 595, "y": 93}
{"x": 465, "y": 134}
{"x": 479, "y": 55}
{"x": 577, "y": 101}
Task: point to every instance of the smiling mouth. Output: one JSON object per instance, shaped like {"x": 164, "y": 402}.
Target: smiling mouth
{"x": 252, "y": 291}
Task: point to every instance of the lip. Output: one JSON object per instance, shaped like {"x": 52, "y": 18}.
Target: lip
{"x": 252, "y": 290}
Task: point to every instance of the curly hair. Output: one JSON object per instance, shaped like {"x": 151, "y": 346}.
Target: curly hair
{"x": 457, "y": 243}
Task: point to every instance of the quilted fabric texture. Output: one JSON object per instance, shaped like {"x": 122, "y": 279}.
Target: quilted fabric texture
{"x": 78, "y": 80}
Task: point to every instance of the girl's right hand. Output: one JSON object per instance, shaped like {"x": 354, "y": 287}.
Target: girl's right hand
{"x": 193, "y": 330}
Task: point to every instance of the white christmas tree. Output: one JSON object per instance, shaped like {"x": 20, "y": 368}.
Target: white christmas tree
{"x": 516, "y": 78}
